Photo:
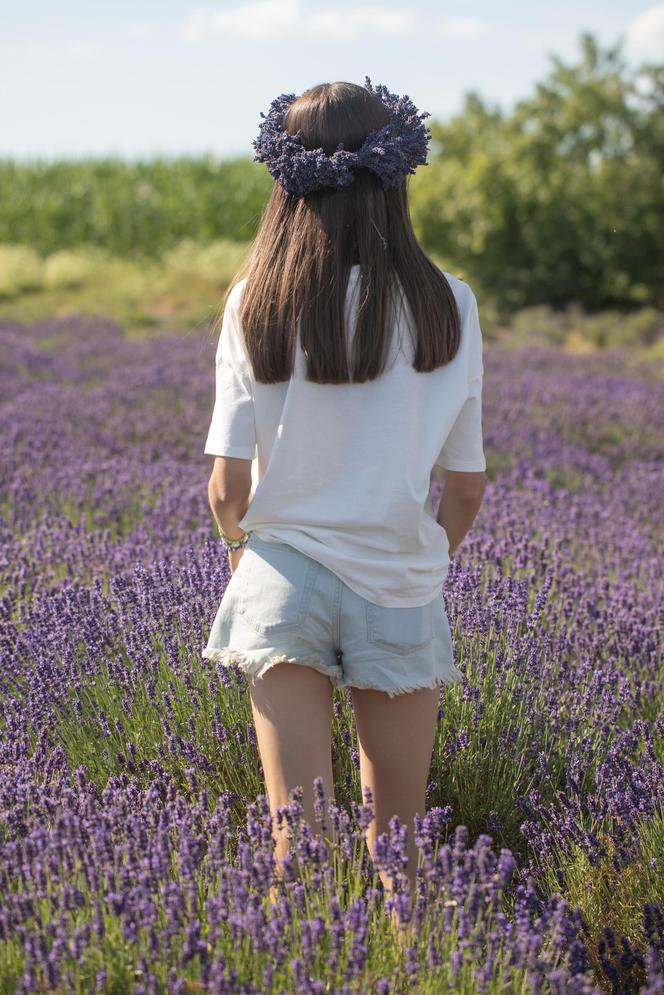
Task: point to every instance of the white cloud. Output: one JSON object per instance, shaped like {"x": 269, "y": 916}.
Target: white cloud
{"x": 82, "y": 50}
{"x": 644, "y": 35}
{"x": 461, "y": 27}
{"x": 260, "y": 20}
{"x": 139, "y": 29}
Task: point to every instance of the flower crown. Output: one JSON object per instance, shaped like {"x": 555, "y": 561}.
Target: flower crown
{"x": 392, "y": 152}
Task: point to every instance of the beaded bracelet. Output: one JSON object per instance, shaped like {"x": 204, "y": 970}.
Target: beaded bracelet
{"x": 233, "y": 543}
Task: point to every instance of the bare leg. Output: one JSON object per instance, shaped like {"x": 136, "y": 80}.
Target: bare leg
{"x": 396, "y": 737}
{"x": 292, "y": 711}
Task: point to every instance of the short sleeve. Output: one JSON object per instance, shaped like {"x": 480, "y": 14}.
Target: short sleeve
{"x": 232, "y": 430}
{"x": 464, "y": 447}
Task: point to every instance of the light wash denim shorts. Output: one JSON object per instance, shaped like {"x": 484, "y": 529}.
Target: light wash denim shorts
{"x": 280, "y": 605}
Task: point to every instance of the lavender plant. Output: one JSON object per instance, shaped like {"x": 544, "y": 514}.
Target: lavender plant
{"x": 136, "y": 852}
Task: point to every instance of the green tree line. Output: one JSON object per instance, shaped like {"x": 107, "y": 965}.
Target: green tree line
{"x": 562, "y": 199}
{"x": 559, "y": 200}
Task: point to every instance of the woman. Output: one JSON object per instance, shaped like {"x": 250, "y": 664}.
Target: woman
{"x": 348, "y": 366}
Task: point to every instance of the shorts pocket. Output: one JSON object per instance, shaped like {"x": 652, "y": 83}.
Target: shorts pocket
{"x": 400, "y": 630}
{"x": 275, "y": 586}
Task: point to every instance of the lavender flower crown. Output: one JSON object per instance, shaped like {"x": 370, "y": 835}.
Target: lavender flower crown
{"x": 392, "y": 152}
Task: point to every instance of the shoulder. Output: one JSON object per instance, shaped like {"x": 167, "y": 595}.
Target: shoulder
{"x": 231, "y": 319}
{"x": 231, "y": 339}
{"x": 463, "y": 293}
{"x": 471, "y": 334}
{"x": 235, "y": 295}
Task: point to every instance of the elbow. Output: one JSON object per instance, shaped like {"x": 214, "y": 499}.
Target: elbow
{"x": 467, "y": 487}
{"x": 230, "y": 481}
{"x": 217, "y": 493}
{"x": 220, "y": 492}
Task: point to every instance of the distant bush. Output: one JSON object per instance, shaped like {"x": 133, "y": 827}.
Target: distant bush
{"x": 74, "y": 267}
{"x": 538, "y": 325}
{"x": 189, "y": 280}
{"x": 616, "y": 330}
{"x": 216, "y": 262}
{"x": 645, "y": 326}
{"x": 21, "y": 269}
{"x": 185, "y": 286}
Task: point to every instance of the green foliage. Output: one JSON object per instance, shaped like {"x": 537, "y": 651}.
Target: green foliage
{"x": 217, "y": 262}
{"x": 21, "y": 270}
{"x": 185, "y": 287}
{"x": 593, "y": 888}
{"x": 131, "y": 209}
{"x": 538, "y": 325}
{"x": 562, "y": 199}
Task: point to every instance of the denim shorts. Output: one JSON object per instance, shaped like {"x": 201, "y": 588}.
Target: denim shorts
{"x": 280, "y": 605}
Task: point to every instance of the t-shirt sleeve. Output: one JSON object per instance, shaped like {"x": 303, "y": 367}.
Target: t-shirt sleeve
{"x": 464, "y": 447}
{"x": 232, "y": 430}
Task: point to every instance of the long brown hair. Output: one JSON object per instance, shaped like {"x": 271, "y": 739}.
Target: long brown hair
{"x": 301, "y": 257}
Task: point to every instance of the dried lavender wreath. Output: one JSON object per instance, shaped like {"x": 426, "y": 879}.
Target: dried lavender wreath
{"x": 392, "y": 152}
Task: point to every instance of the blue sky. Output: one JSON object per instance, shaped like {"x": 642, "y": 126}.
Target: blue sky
{"x": 175, "y": 77}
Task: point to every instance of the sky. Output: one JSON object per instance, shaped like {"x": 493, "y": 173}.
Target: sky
{"x": 137, "y": 78}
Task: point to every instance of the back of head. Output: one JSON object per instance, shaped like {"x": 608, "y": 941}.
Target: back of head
{"x": 301, "y": 258}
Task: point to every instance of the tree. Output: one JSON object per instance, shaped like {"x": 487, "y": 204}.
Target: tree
{"x": 562, "y": 200}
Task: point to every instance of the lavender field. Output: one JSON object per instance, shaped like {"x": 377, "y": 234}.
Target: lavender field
{"x": 135, "y": 842}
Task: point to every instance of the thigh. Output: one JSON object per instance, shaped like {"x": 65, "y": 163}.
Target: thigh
{"x": 292, "y": 711}
{"x": 396, "y": 737}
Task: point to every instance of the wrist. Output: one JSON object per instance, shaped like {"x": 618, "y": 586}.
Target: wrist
{"x": 227, "y": 515}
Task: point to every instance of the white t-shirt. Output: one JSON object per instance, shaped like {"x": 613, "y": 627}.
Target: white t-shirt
{"x": 342, "y": 472}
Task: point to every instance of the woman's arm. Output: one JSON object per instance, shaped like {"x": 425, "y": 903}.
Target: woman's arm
{"x": 463, "y": 493}
{"x": 229, "y": 494}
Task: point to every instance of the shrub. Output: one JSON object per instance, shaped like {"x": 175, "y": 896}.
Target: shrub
{"x": 21, "y": 268}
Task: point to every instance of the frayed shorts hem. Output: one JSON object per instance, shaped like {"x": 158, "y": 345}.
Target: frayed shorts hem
{"x": 435, "y": 682}
{"x": 256, "y": 667}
